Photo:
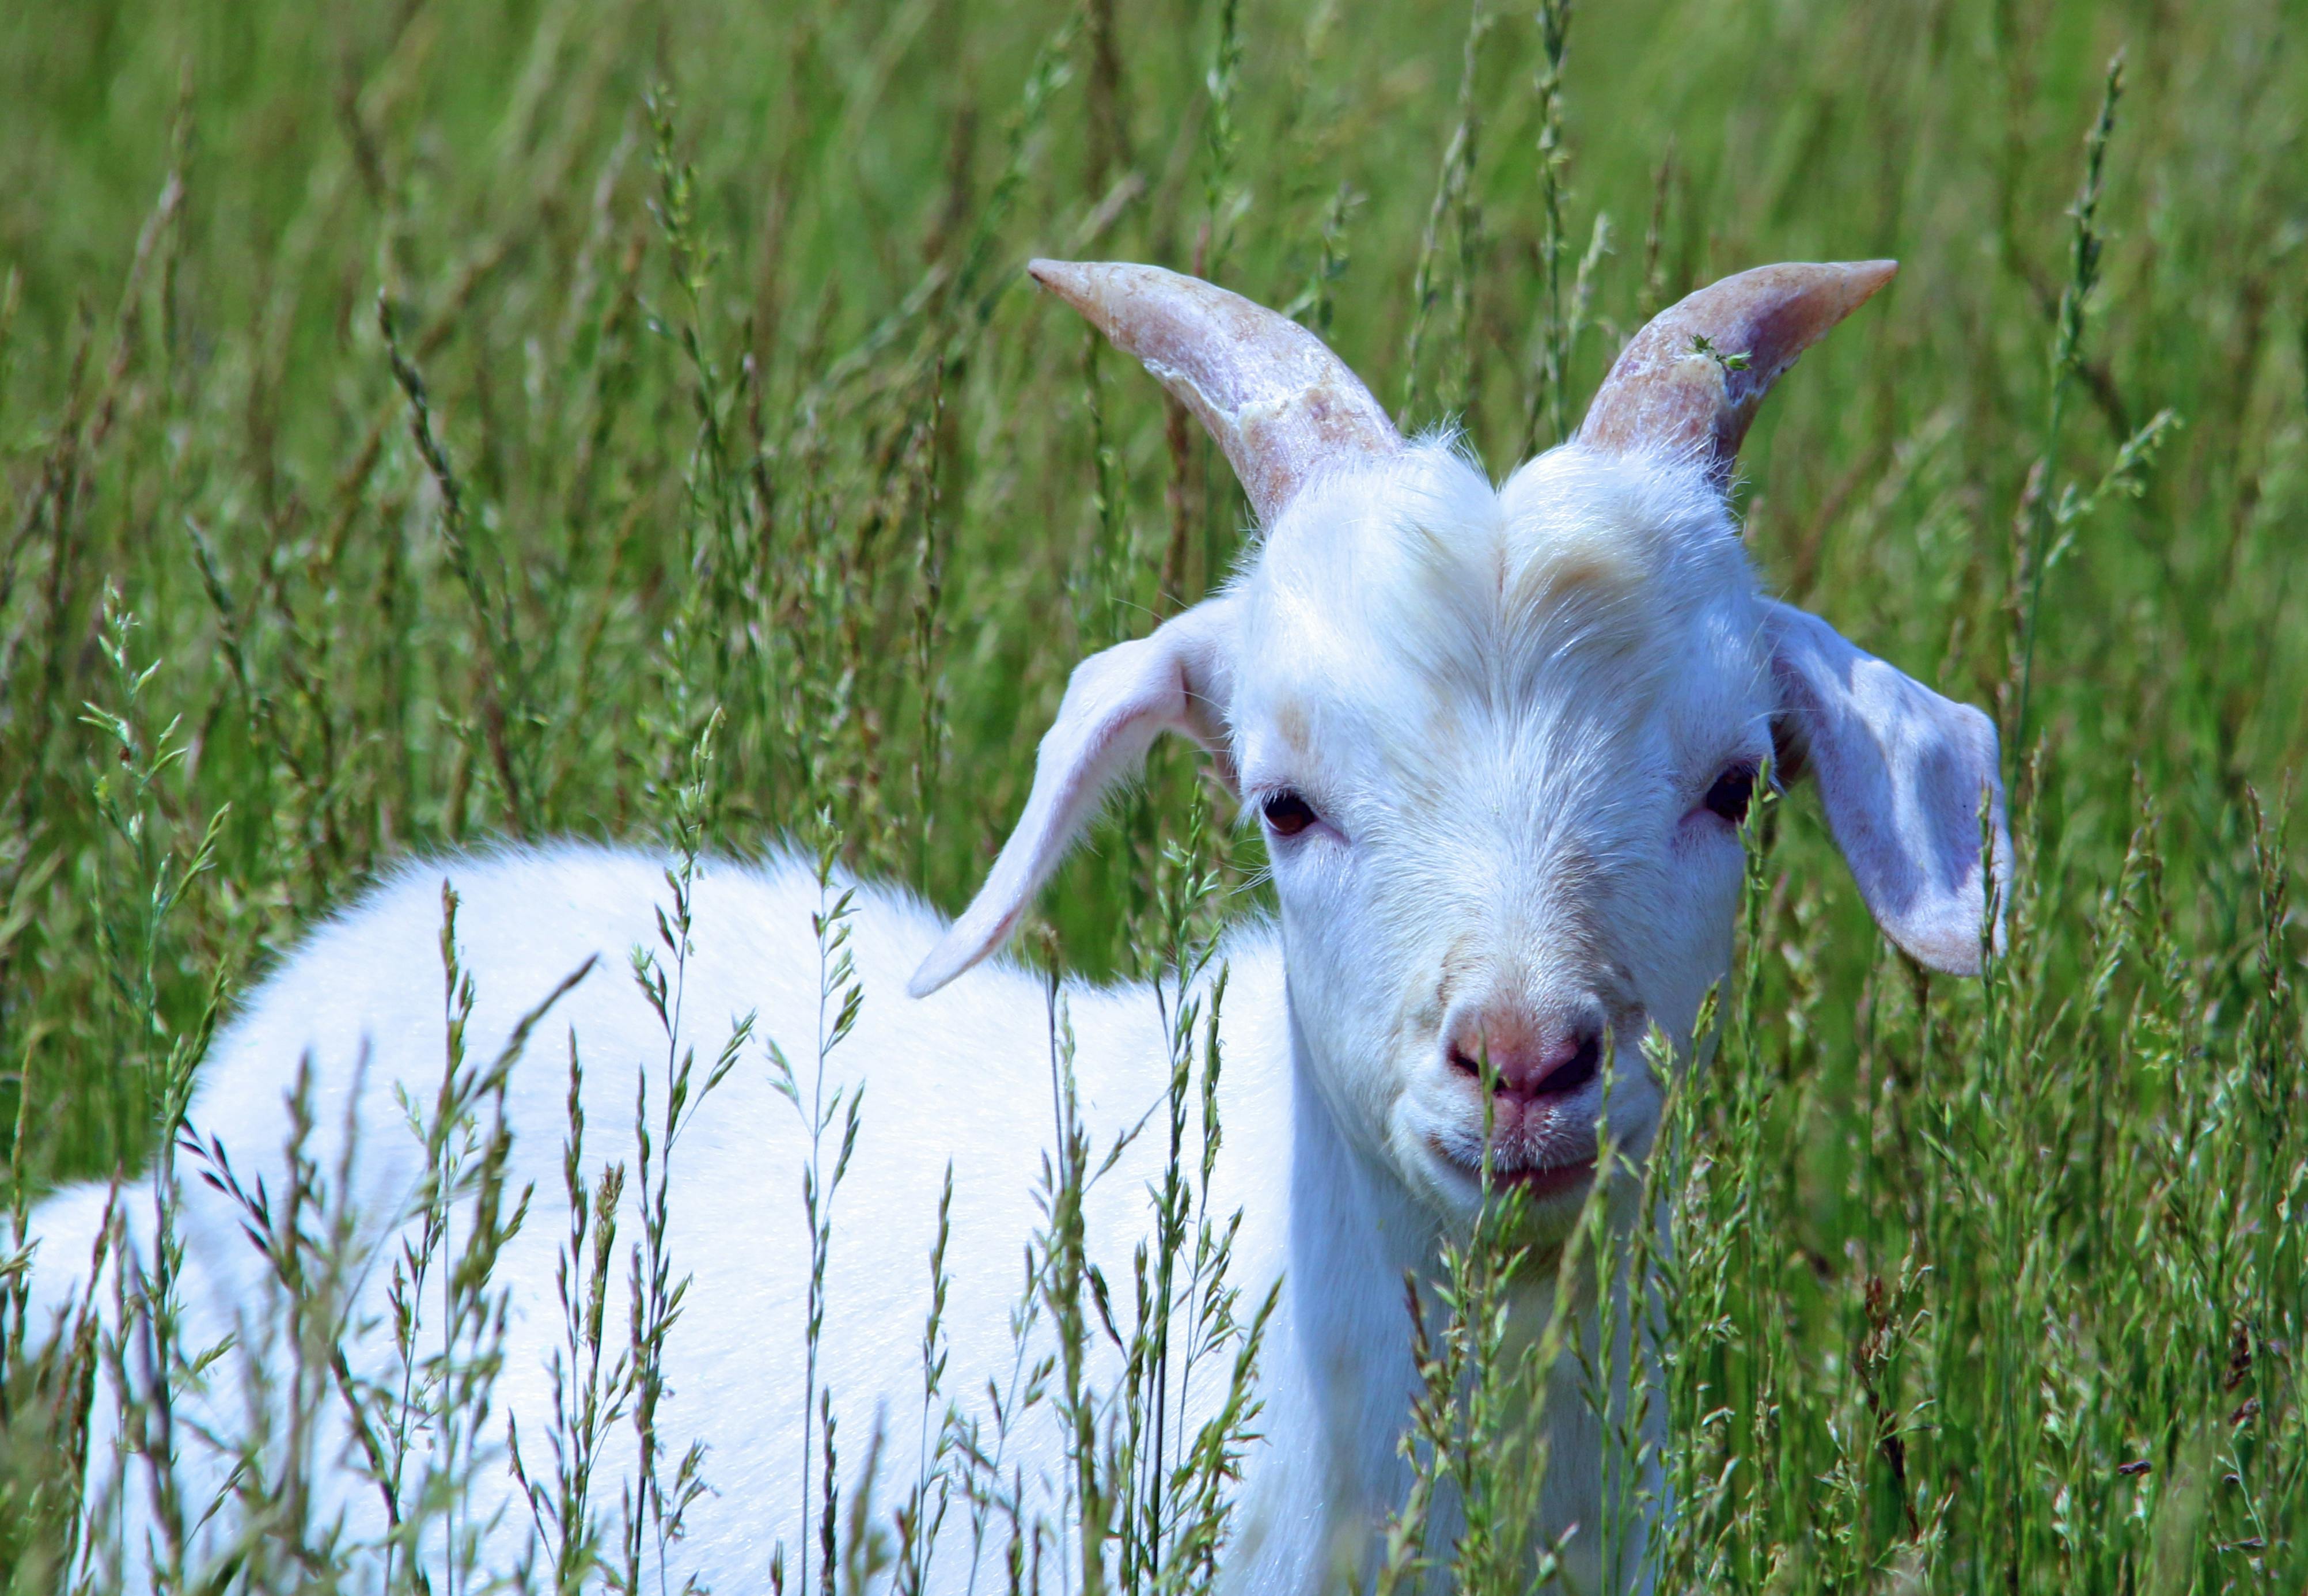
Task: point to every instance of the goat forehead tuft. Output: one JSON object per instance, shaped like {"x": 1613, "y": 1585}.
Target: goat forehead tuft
{"x": 1651, "y": 529}
{"x": 1413, "y": 589}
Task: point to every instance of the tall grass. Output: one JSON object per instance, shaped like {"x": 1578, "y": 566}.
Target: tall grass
{"x": 476, "y": 408}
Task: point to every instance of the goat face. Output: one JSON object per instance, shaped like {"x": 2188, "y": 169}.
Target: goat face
{"x": 1501, "y": 740}
{"x": 1483, "y": 730}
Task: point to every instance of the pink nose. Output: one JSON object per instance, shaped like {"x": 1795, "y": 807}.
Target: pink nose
{"x": 1534, "y": 1060}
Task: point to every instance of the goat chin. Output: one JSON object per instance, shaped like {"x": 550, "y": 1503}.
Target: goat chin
{"x": 961, "y": 1078}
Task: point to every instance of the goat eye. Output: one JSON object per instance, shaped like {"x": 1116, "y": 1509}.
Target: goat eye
{"x": 1289, "y": 814}
{"x": 1732, "y": 792}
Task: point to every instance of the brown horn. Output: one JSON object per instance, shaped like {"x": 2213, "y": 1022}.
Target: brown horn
{"x": 1690, "y": 382}
{"x": 1277, "y": 399}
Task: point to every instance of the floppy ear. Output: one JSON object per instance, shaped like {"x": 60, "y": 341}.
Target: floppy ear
{"x": 1179, "y": 679}
{"x": 1901, "y": 772}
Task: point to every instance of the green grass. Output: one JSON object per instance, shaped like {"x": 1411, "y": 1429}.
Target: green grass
{"x": 469, "y": 403}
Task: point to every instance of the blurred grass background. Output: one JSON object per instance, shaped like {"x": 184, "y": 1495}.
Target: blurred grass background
{"x": 467, "y": 403}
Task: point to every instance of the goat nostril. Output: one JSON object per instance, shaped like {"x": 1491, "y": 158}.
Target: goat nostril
{"x": 1470, "y": 1064}
{"x": 1573, "y": 1072}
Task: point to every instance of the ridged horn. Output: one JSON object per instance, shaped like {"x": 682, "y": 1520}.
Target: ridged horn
{"x": 1278, "y": 402}
{"x": 1691, "y": 381}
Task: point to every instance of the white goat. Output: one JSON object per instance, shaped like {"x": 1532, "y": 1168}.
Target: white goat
{"x": 1499, "y": 740}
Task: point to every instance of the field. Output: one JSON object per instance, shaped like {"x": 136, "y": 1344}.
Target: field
{"x": 420, "y": 423}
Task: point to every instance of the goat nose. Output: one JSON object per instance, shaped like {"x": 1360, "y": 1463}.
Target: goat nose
{"x": 1530, "y": 1062}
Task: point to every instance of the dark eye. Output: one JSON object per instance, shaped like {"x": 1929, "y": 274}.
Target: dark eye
{"x": 1289, "y": 814}
{"x": 1731, "y": 793}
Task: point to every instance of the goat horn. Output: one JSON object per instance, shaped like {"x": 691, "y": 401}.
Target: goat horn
{"x": 1277, "y": 399}
{"x": 1691, "y": 381}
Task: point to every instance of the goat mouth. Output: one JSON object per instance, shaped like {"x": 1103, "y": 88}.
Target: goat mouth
{"x": 1522, "y": 1173}
{"x": 1552, "y": 1181}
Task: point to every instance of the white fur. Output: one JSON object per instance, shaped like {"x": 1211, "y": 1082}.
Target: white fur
{"x": 1506, "y": 705}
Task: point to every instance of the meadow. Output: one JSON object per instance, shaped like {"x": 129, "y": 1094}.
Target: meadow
{"x": 420, "y": 423}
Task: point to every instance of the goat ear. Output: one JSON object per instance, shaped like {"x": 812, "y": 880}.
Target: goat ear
{"x": 1901, "y": 773}
{"x": 1179, "y": 679}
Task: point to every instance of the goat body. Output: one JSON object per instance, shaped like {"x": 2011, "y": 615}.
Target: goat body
{"x": 961, "y": 1079}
